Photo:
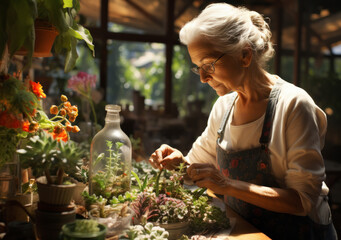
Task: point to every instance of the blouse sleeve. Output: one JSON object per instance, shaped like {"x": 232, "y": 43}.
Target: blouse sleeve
{"x": 305, "y": 130}
{"x": 204, "y": 148}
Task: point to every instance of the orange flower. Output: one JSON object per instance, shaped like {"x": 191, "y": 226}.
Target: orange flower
{"x": 63, "y": 98}
{"x": 60, "y": 135}
{"x": 37, "y": 89}
{"x": 26, "y": 126}
{"x": 54, "y": 109}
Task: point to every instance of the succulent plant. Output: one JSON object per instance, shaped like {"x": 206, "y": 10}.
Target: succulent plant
{"x": 46, "y": 155}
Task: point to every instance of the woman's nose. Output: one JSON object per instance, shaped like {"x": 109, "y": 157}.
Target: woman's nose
{"x": 204, "y": 77}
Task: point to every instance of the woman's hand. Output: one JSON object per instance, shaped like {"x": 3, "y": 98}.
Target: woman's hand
{"x": 166, "y": 157}
{"x": 208, "y": 176}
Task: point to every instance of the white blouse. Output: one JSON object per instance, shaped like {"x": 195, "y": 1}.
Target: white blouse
{"x": 297, "y": 137}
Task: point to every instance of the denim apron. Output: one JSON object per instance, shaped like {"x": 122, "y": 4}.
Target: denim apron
{"x": 254, "y": 166}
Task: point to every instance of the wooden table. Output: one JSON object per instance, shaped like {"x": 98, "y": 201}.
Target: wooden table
{"x": 242, "y": 230}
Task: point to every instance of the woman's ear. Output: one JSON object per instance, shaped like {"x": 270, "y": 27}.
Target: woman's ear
{"x": 246, "y": 57}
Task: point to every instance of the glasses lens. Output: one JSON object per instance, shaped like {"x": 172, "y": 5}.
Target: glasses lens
{"x": 195, "y": 70}
{"x": 209, "y": 68}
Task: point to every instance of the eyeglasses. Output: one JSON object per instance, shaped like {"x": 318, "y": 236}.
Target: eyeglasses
{"x": 207, "y": 67}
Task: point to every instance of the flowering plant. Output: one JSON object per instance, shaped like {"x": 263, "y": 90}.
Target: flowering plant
{"x": 83, "y": 83}
{"x": 21, "y": 114}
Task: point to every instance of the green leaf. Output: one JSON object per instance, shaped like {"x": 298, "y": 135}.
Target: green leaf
{"x": 67, "y": 4}
{"x": 3, "y": 33}
{"x": 157, "y": 183}
{"x": 20, "y": 16}
{"x": 144, "y": 183}
{"x": 56, "y": 15}
{"x": 71, "y": 56}
{"x": 137, "y": 179}
{"x": 82, "y": 33}
{"x": 98, "y": 159}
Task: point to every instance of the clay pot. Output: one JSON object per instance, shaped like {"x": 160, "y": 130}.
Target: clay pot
{"x": 175, "y": 230}
{"x": 45, "y": 36}
{"x": 54, "y": 194}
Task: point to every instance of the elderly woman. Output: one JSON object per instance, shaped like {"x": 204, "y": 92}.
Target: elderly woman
{"x": 262, "y": 145}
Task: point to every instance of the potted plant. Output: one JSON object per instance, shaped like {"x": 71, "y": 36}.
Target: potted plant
{"x": 45, "y": 155}
{"x": 21, "y": 116}
{"x": 83, "y": 229}
{"x": 165, "y": 202}
{"x": 21, "y": 21}
{"x": 51, "y": 151}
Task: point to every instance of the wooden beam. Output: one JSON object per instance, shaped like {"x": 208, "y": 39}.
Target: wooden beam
{"x": 104, "y": 52}
{"x": 169, "y": 56}
{"x": 298, "y": 45}
{"x": 181, "y": 11}
{"x": 279, "y": 27}
{"x": 153, "y": 19}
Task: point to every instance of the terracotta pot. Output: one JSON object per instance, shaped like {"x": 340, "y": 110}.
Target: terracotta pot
{"x": 175, "y": 230}
{"x": 45, "y": 36}
{"x": 54, "y": 194}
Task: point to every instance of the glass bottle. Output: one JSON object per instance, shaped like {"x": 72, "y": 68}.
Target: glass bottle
{"x": 110, "y": 158}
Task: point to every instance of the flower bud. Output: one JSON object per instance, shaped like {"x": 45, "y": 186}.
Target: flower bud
{"x": 67, "y": 104}
{"x": 72, "y": 118}
{"x": 63, "y": 98}
{"x": 57, "y": 130}
{"x": 74, "y": 108}
{"x": 54, "y": 109}
{"x": 69, "y": 128}
{"x": 73, "y": 114}
{"x": 62, "y": 112}
{"x": 75, "y": 129}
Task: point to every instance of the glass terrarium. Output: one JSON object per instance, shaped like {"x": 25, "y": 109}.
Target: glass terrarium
{"x": 110, "y": 161}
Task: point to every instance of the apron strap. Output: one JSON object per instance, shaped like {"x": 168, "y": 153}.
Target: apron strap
{"x": 227, "y": 113}
{"x": 270, "y": 112}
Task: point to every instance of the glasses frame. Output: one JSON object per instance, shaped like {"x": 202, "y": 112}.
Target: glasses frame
{"x": 196, "y": 69}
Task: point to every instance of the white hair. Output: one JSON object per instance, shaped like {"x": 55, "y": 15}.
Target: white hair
{"x": 230, "y": 29}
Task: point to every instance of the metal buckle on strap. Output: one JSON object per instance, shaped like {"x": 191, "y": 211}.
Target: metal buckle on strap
{"x": 220, "y": 131}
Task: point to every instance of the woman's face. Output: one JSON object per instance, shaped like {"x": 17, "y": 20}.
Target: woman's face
{"x": 228, "y": 74}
